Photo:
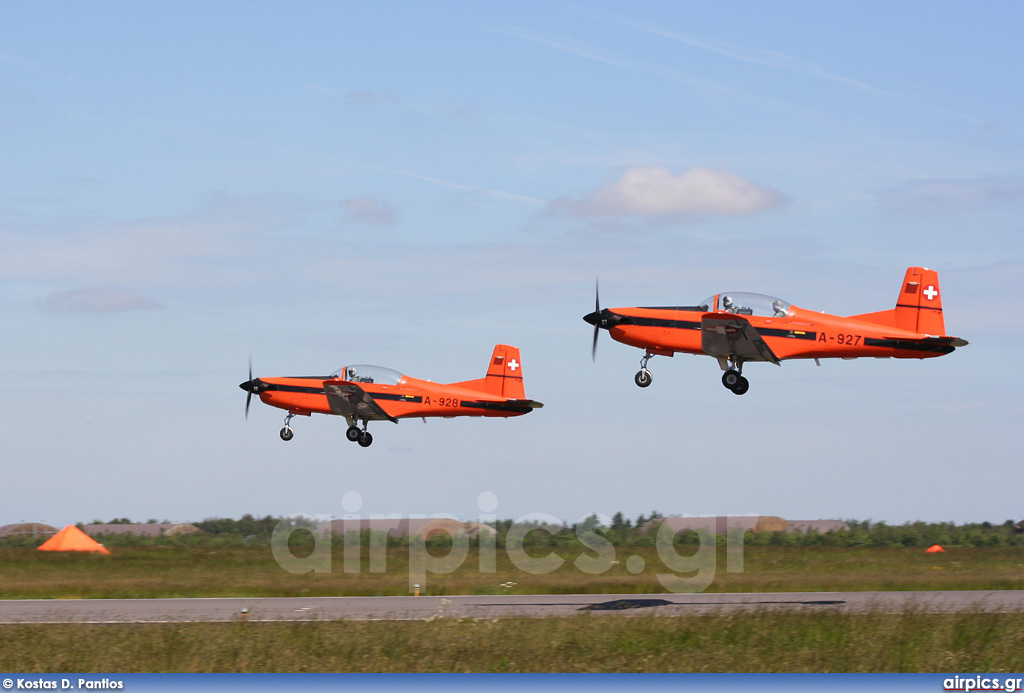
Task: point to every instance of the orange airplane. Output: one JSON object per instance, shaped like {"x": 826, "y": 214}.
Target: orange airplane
{"x": 739, "y": 327}
{"x": 373, "y": 393}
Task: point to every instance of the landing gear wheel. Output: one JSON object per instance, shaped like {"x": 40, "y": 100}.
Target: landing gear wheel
{"x": 741, "y": 386}
{"x": 353, "y": 433}
{"x": 643, "y": 377}
{"x": 365, "y": 439}
{"x": 730, "y": 378}
{"x": 287, "y": 433}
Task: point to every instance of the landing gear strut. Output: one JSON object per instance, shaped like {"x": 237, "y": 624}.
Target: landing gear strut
{"x": 287, "y": 433}
{"x": 643, "y": 377}
{"x": 359, "y": 435}
{"x": 733, "y": 378}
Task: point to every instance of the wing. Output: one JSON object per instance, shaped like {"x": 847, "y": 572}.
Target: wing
{"x": 348, "y": 399}
{"x": 732, "y": 335}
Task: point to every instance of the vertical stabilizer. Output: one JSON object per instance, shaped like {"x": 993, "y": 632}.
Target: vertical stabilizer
{"x": 505, "y": 373}
{"x": 919, "y": 306}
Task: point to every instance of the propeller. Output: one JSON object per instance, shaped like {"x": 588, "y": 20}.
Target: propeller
{"x": 248, "y": 396}
{"x": 601, "y": 319}
{"x": 251, "y": 386}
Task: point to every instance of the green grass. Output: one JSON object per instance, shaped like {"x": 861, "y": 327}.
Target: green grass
{"x": 181, "y": 571}
{"x": 762, "y": 641}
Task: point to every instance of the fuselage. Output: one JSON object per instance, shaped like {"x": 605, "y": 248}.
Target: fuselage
{"x": 800, "y": 334}
{"x": 409, "y": 398}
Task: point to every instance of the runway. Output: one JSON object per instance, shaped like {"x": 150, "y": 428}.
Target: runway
{"x": 489, "y": 606}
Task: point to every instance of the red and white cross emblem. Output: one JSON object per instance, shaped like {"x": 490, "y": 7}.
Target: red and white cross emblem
{"x": 513, "y": 365}
{"x": 930, "y": 292}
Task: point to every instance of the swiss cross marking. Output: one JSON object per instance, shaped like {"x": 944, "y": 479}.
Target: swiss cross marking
{"x": 931, "y": 293}
{"x": 513, "y": 365}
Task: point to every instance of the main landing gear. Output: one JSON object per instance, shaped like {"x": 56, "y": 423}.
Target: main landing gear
{"x": 643, "y": 376}
{"x": 359, "y": 435}
{"x": 733, "y": 378}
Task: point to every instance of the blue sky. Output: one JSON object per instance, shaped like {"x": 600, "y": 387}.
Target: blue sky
{"x": 187, "y": 185}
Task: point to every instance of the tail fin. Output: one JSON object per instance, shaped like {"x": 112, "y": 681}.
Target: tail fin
{"x": 505, "y": 373}
{"x": 919, "y": 306}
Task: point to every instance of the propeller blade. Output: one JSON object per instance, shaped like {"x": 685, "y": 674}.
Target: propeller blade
{"x": 597, "y": 329}
{"x": 248, "y": 397}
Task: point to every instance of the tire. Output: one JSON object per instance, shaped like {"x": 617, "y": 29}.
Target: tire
{"x": 287, "y": 433}
{"x": 741, "y": 387}
{"x": 353, "y": 433}
{"x": 730, "y": 378}
{"x": 365, "y": 439}
{"x": 643, "y": 378}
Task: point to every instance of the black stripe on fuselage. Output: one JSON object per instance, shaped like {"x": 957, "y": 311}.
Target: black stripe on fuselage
{"x": 656, "y": 322}
{"x": 907, "y": 345}
{"x": 395, "y": 397}
{"x": 498, "y": 406}
{"x": 696, "y": 325}
{"x": 391, "y": 396}
{"x": 277, "y": 387}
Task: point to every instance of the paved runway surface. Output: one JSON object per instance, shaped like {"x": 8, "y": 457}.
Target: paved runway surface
{"x": 483, "y": 606}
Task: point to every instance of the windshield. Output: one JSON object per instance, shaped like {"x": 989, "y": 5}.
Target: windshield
{"x": 362, "y": 373}
{"x": 742, "y": 303}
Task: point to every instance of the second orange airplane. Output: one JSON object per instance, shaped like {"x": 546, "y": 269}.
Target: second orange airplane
{"x": 372, "y": 393}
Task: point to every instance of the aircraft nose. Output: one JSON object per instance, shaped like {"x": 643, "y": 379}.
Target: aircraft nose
{"x": 603, "y": 318}
{"x": 254, "y": 386}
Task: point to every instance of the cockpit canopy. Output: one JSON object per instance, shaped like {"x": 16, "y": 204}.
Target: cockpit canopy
{"x": 363, "y": 373}
{"x": 742, "y": 303}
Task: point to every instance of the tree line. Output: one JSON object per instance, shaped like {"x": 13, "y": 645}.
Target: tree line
{"x": 619, "y": 531}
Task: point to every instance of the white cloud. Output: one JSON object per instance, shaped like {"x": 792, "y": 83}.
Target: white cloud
{"x": 369, "y": 210}
{"x": 944, "y": 196}
{"x": 102, "y": 299}
{"x": 654, "y": 192}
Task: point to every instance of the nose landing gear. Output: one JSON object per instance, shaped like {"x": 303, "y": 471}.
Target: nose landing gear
{"x": 287, "y": 433}
{"x": 643, "y": 377}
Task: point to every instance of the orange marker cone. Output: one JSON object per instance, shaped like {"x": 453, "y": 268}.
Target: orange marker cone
{"x": 71, "y": 538}
{"x": 935, "y": 548}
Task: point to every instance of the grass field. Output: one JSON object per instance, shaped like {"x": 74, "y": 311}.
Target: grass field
{"x": 762, "y": 641}
{"x": 180, "y": 571}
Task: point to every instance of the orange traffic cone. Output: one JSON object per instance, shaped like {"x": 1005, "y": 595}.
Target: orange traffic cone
{"x": 935, "y": 548}
{"x": 71, "y": 538}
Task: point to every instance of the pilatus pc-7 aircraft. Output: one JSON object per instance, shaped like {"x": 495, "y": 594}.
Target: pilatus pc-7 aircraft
{"x": 373, "y": 393}
{"x": 738, "y": 327}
